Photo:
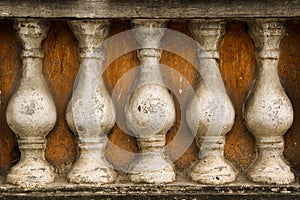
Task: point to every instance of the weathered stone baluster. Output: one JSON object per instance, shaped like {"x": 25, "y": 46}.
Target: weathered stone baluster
{"x": 90, "y": 113}
{"x": 31, "y": 112}
{"x": 150, "y": 112}
{"x": 268, "y": 112}
{"x": 210, "y": 113}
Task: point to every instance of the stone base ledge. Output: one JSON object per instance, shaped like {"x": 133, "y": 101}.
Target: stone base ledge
{"x": 152, "y": 191}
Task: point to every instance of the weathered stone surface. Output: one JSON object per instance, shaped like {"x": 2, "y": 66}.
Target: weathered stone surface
{"x": 152, "y": 191}
{"x": 31, "y": 111}
{"x": 268, "y": 111}
{"x": 150, "y": 112}
{"x": 261, "y": 12}
{"x": 210, "y": 114}
{"x": 149, "y": 9}
{"x": 90, "y": 113}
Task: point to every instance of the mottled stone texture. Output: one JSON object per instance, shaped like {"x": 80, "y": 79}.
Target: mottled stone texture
{"x": 31, "y": 112}
{"x": 90, "y": 112}
{"x": 150, "y": 112}
{"x": 131, "y": 191}
{"x": 238, "y": 69}
{"x": 210, "y": 114}
{"x": 268, "y": 111}
{"x": 151, "y": 9}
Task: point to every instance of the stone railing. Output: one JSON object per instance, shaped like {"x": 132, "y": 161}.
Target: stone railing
{"x": 149, "y": 113}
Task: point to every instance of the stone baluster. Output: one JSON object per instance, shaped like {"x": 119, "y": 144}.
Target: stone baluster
{"x": 268, "y": 111}
{"x": 31, "y": 111}
{"x": 210, "y": 114}
{"x": 150, "y": 112}
{"x": 90, "y": 113}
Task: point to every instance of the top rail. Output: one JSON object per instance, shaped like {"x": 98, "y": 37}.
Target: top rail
{"x": 149, "y": 8}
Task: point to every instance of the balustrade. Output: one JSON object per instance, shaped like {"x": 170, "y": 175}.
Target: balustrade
{"x": 150, "y": 111}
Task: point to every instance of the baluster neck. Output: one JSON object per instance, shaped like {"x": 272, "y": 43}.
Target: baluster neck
{"x": 32, "y": 32}
{"x": 267, "y": 35}
{"x": 150, "y": 69}
{"x": 32, "y": 67}
{"x": 268, "y": 73}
